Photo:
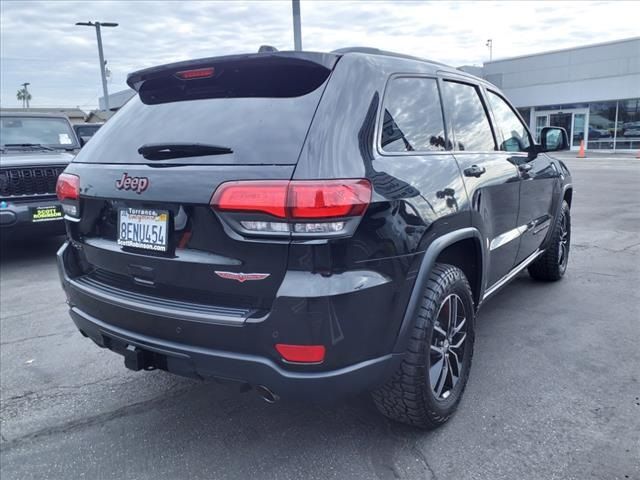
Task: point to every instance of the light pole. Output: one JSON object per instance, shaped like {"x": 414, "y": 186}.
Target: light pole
{"x": 97, "y": 26}
{"x": 490, "y": 45}
{"x": 25, "y": 94}
{"x": 297, "y": 35}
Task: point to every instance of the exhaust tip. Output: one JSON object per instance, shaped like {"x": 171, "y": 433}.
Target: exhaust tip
{"x": 266, "y": 394}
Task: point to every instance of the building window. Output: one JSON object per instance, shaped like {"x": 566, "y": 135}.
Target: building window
{"x": 628, "y": 129}
{"x": 602, "y": 124}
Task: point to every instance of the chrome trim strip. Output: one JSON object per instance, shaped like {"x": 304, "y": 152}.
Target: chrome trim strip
{"x": 504, "y": 280}
{"x": 507, "y": 237}
{"x": 543, "y": 226}
{"x": 163, "y": 311}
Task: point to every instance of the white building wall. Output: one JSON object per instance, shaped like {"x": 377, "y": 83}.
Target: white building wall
{"x": 592, "y": 73}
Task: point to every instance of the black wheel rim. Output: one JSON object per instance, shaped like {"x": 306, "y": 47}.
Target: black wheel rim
{"x": 563, "y": 246}
{"x": 447, "y": 349}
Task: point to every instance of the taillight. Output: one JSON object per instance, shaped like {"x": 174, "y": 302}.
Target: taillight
{"x": 298, "y": 207}
{"x": 68, "y": 192}
{"x": 255, "y": 196}
{"x": 301, "y": 353}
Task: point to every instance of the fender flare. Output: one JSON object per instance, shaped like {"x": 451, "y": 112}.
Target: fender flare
{"x": 565, "y": 187}
{"x": 426, "y": 265}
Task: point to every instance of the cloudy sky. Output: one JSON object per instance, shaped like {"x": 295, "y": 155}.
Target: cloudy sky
{"x": 40, "y": 44}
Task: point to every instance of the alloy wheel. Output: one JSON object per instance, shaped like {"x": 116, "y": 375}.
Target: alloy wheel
{"x": 563, "y": 247}
{"x": 447, "y": 349}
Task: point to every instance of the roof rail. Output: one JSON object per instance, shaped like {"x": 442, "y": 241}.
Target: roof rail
{"x": 377, "y": 51}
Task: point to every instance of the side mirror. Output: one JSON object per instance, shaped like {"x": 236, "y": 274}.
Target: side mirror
{"x": 554, "y": 139}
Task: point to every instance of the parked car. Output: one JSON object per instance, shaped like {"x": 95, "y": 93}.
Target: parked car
{"x": 631, "y": 129}
{"x": 313, "y": 225}
{"x": 84, "y": 131}
{"x": 34, "y": 150}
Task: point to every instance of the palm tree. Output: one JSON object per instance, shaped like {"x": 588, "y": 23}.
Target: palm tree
{"x": 24, "y": 95}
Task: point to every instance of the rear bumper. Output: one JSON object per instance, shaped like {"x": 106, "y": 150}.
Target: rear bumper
{"x": 254, "y": 370}
{"x": 220, "y": 347}
{"x": 17, "y": 218}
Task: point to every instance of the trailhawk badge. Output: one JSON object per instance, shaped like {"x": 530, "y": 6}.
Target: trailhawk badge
{"x": 242, "y": 277}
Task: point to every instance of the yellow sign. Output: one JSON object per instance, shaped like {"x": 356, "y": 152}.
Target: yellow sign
{"x": 45, "y": 214}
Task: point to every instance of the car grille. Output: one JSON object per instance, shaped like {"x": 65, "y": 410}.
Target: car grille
{"x": 29, "y": 181}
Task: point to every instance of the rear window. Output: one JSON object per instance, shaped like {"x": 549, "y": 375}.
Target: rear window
{"x": 260, "y": 131}
{"x": 263, "y": 120}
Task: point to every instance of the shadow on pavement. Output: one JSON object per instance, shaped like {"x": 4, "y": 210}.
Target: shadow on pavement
{"x": 17, "y": 250}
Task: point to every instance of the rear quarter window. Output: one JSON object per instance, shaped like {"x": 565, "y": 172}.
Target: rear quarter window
{"x": 412, "y": 117}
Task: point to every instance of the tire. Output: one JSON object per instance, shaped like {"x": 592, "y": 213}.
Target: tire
{"x": 552, "y": 264}
{"x": 411, "y": 396}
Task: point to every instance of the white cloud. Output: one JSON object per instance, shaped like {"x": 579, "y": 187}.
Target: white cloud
{"x": 39, "y": 42}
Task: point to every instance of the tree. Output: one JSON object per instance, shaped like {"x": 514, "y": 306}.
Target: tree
{"x": 24, "y": 95}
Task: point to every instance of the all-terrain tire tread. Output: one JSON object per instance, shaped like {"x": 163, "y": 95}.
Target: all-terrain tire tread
{"x": 402, "y": 398}
{"x": 546, "y": 267}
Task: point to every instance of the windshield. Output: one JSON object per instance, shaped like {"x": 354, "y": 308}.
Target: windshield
{"x": 50, "y": 132}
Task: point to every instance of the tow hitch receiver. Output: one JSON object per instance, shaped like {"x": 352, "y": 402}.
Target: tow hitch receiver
{"x": 137, "y": 359}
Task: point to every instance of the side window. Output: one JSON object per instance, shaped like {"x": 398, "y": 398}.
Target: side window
{"x": 514, "y": 133}
{"x": 412, "y": 116}
{"x": 469, "y": 118}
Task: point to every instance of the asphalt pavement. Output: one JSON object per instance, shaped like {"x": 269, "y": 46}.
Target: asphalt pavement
{"x": 554, "y": 391}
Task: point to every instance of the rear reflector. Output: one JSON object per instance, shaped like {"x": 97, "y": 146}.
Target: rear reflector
{"x": 68, "y": 187}
{"x": 295, "y": 200}
{"x": 301, "y": 353}
{"x": 196, "y": 73}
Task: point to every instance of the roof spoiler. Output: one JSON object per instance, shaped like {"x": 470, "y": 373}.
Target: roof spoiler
{"x": 263, "y": 59}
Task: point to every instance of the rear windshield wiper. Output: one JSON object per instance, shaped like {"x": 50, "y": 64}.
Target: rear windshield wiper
{"x": 27, "y": 145}
{"x": 163, "y": 151}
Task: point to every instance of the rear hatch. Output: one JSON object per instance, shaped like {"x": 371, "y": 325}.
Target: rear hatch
{"x": 144, "y": 220}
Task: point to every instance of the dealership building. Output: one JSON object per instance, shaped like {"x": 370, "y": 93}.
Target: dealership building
{"x": 592, "y": 91}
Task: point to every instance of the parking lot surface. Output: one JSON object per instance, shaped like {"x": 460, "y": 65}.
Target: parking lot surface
{"x": 554, "y": 391}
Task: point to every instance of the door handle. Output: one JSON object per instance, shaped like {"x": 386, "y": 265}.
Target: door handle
{"x": 525, "y": 167}
{"x": 474, "y": 171}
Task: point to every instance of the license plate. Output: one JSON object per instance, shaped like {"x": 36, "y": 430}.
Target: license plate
{"x": 46, "y": 213}
{"x": 142, "y": 228}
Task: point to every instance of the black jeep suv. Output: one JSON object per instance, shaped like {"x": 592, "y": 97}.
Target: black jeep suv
{"x": 310, "y": 224}
{"x": 34, "y": 149}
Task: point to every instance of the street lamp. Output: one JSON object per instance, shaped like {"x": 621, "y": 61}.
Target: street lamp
{"x": 97, "y": 26}
{"x": 297, "y": 36}
{"x": 490, "y": 45}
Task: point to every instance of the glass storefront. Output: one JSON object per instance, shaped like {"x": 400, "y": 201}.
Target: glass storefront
{"x": 613, "y": 125}
{"x": 628, "y": 128}
{"x": 602, "y": 125}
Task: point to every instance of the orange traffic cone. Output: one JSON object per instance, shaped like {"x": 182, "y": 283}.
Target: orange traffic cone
{"x": 581, "y": 151}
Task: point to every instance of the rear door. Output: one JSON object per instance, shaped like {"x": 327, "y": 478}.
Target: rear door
{"x": 147, "y": 178}
{"x": 538, "y": 175}
{"x": 491, "y": 179}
